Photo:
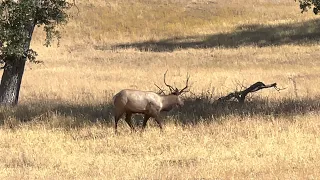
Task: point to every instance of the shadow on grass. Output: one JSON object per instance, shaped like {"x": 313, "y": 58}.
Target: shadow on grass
{"x": 58, "y": 114}
{"x": 203, "y": 109}
{"x": 246, "y": 35}
{"x": 195, "y": 110}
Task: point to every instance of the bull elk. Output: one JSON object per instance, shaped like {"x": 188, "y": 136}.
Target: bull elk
{"x": 149, "y": 103}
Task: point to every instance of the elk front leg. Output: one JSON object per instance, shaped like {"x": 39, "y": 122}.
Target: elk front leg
{"x": 128, "y": 120}
{"x": 154, "y": 111}
{"x": 158, "y": 120}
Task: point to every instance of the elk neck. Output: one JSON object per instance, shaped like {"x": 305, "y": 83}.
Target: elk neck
{"x": 169, "y": 101}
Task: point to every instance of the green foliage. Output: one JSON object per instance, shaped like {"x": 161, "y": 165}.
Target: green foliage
{"x": 17, "y": 20}
{"x": 308, "y": 4}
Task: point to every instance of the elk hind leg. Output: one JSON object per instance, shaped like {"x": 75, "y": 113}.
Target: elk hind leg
{"x": 145, "y": 120}
{"x": 117, "y": 117}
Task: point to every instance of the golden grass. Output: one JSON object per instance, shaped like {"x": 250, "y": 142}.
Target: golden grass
{"x": 62, "y": 128}
{"x": 233, "y": 149}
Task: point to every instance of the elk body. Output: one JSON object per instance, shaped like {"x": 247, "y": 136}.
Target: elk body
{"x": 149, "y": 103}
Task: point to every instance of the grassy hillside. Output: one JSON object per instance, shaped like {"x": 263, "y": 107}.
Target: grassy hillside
{"x": 62, "y": 128}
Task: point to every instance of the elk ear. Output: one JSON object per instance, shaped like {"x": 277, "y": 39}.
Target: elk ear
{"x": 176, "y": 92}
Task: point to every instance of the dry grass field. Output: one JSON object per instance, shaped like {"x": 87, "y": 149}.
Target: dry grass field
{"x": 63, "y": 126}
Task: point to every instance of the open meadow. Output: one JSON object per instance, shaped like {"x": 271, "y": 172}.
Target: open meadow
{"x": 63, "y": 125}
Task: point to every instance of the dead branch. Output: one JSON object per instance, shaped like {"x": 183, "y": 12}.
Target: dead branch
{"x": 241, "y": 95}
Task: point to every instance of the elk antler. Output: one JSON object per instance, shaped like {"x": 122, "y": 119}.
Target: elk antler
{"x": 187, "y": 82}
{"x": 161, "y": 90}
{"x": 164, "y": 80}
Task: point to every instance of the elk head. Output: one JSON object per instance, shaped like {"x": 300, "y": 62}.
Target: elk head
{"x": 174, "y": 91}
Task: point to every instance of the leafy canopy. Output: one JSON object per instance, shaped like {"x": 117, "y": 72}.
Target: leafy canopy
{"x": 18, "y": 18}
{"x": 308, "y": 4}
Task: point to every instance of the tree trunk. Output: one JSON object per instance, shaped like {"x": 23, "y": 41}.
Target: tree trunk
{"x": 11, "y": 81}
{"x": 13, "y": 71}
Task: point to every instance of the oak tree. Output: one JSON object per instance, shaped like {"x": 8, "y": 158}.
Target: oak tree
{"x": 18, "y": 18}
{"x": 310, "y": 4}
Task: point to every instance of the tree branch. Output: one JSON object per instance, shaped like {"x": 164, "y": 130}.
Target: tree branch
{"x": 241, "y": 95}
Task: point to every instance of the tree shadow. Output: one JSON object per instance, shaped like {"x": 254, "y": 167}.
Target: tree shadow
{"x": 246, "y": 35}
{"x": 64, "y": 114}
{"x": 195, "y": 110}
